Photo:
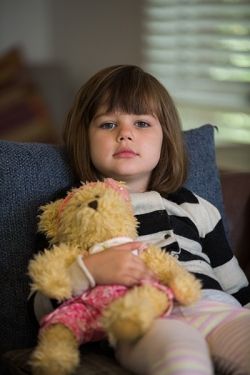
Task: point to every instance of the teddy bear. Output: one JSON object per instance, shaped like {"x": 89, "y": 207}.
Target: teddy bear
{"x": 93, "y": 217}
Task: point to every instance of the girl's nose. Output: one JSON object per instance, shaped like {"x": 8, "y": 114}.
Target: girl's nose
{"x": 124, "y": 137}
{"x": 125, "y": 134}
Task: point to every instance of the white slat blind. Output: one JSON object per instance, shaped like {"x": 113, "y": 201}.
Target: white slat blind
{"x": 200, "y": 50}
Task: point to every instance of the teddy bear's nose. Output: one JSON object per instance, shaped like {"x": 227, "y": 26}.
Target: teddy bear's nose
{"x": 93, "y": 204}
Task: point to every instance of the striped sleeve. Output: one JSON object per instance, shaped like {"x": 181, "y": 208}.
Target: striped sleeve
{"x": 217, "y": 248}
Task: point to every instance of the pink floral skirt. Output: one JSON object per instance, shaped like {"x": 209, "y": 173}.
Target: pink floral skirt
{"x": 82, "y": 314}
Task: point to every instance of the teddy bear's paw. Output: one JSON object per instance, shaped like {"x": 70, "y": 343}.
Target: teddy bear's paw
{"x": 56, "y": 353}
{"x": 187, "y": 290}
{"x": 129, "y": 317}
{"x": 127, "y": 330}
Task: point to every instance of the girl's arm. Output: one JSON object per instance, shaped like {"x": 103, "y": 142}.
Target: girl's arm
{"x": 223, "y": 261}
{"x": 118, "y": 265}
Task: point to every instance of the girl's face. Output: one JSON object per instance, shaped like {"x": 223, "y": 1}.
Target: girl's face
{"x": 126, "y": 147}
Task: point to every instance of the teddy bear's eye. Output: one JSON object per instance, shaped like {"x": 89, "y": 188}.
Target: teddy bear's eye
{"x": 97, "y": 196}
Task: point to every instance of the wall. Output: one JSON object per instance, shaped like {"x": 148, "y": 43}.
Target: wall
{"x": 26, "y": 23}
{"x": 81, "y": 35}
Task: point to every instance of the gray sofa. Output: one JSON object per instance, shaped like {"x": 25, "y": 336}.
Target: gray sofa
{"x": 31, "y": 175}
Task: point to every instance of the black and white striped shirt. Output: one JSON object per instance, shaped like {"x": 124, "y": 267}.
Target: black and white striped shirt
{"x": 191, "y": 229}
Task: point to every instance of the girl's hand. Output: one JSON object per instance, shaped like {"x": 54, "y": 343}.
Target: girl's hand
{"x": 118, "y": 265}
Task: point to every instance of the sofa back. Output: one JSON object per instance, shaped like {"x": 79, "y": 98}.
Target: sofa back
{"x": 31, "y": 174}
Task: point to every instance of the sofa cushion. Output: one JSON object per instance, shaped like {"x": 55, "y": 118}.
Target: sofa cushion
{"x": 31, "y": 175}
{"x": 94, "y": 360}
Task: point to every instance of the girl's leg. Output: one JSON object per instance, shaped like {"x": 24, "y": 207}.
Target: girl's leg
{"x": 170, "y": 347}
{"x": 230, "y": 345}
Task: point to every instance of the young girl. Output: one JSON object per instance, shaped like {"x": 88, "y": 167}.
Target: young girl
{"x": 124, "y": 125}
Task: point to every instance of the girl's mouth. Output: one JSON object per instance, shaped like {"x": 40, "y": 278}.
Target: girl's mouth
{"x": 126, "y": 153}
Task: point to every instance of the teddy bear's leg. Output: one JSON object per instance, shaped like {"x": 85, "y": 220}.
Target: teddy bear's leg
{"x": 130, "y": 316}
{"x": 56, "y": 353}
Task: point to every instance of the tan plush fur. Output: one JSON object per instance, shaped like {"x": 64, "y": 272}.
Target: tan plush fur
{"x": 57, "y": 352}
{"x": 91, "y": 214}
{"x": 129, "y": 317}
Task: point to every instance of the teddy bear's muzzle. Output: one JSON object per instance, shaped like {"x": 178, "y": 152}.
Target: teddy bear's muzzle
{"x": 93, "y": 204}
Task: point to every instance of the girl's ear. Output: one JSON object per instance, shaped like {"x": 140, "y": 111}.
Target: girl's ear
{"x": 48, "y": 219}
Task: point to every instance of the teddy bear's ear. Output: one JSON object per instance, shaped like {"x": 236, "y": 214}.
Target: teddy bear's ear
{"x": 48, "y": 219}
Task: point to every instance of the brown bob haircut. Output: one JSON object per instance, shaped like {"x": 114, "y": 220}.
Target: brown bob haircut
{"x": 129, "y": 89}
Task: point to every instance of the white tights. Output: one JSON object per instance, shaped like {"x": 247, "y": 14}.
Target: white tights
{"x": 170, "y": 347}
{"x": 179, "y": 346}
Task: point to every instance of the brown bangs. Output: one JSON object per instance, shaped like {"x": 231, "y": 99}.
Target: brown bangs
{"x": 130, "y": 91}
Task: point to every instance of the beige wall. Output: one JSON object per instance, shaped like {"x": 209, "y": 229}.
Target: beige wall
{"x": 81, "y": 35}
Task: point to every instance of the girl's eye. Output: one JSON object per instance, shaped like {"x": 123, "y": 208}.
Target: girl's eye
{"x": 142, "y": 124}
{"x": 108, "y": 125}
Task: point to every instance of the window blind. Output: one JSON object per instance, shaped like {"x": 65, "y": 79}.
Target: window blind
{"x": 200, "y": 50}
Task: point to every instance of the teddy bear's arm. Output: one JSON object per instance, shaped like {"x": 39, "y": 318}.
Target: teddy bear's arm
{"x": 49, "y": 271}
{"x": 48, "y": 219}
{"x": 171, "y": 273}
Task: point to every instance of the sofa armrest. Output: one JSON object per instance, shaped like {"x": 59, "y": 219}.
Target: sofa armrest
{"x": 236, "y": 195}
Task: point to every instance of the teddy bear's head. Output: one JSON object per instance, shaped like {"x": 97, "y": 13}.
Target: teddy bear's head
{"x": 94, "y": 212}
